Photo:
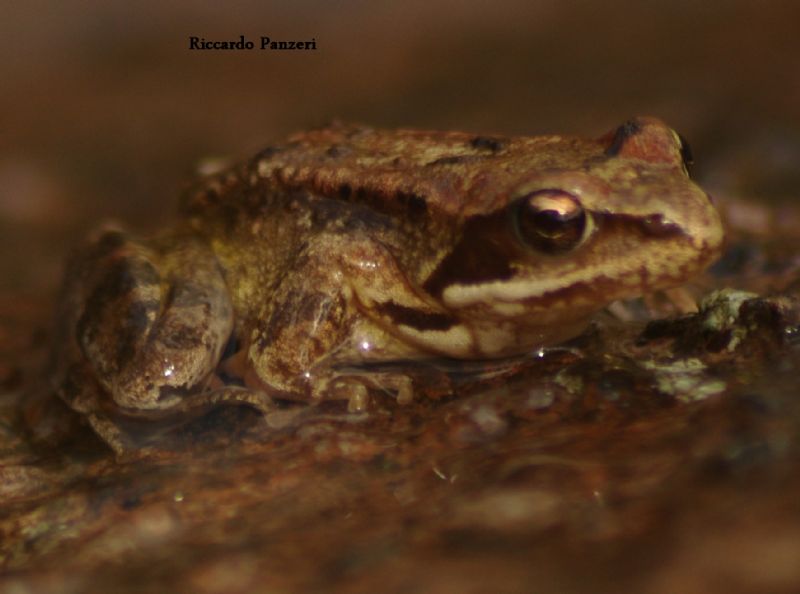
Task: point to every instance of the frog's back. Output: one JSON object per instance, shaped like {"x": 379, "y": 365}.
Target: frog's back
{"x": 445, "y": 174}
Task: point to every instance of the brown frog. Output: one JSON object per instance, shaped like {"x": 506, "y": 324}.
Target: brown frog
{"x": 346, "y": 246}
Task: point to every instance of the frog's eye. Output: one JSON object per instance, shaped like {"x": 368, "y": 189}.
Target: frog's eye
{"x": 551, "y": 221}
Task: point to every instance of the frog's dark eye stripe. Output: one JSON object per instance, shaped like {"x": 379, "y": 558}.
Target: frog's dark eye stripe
{"x": 549, "y": 221}
{"x": 656, "y": 226}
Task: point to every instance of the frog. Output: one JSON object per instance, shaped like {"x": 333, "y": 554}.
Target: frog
{"x": 293, "y": 275}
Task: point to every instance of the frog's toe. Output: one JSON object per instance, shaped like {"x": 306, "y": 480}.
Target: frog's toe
{"x": 127, "y": 432}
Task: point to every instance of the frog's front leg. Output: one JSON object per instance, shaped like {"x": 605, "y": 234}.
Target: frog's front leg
{"x": 309, "y": 340}
{"x": 148, "y": 320}
{"x": 300, "y": 326}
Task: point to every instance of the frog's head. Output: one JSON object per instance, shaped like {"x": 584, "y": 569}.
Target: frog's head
{"x": 602, "y": 220}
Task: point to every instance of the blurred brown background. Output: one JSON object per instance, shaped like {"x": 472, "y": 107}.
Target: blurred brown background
{"x": 106, "y": 112}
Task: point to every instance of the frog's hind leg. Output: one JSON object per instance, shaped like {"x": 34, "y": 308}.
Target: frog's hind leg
{"x": 150, "y": 318}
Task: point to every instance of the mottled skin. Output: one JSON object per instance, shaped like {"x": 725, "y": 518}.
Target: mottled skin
{"x": 351, "y": 245}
